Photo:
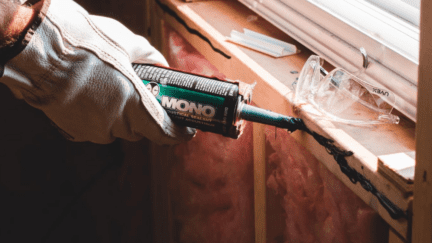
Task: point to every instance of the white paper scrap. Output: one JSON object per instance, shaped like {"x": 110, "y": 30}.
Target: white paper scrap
{"x": 262, "y": 43}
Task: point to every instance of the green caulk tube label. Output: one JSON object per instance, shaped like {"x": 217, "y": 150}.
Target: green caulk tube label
{"x": 191, "y": 100}
{"x": 187, "y": 105}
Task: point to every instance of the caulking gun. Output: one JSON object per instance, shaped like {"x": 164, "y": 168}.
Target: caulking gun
{"x": 208, "y": 104}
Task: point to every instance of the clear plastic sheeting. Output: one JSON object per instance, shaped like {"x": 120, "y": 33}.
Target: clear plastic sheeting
{"x": 342, "y": 97}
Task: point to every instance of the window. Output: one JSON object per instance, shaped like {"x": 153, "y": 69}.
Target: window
{"x": 336, "y": 30}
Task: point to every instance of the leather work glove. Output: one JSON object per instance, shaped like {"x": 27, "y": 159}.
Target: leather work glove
{"x": 77, "y": 69}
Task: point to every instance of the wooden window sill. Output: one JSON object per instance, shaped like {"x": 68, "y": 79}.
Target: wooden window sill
{"x": 383, "y": 154}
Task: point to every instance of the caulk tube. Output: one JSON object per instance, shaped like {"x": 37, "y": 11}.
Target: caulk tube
{"x": 197, "y": 101}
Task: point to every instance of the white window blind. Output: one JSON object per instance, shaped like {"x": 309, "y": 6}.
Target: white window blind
{"x": 336, "y": 30}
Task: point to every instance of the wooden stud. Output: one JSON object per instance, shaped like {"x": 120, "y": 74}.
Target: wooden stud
{"x": 147, "y": 19}
{"x": 163, "y": 222}
{"x": 162, "y": 215}
{"x": 394, "y": 238}
{"x": 259, "y": 183}
{"x": 422, "y": 211}
{"x": 156, "y": 26}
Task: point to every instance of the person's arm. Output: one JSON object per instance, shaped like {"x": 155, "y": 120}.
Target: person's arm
{"x": 14, "y": 19}
{"x": 77, "y": 69}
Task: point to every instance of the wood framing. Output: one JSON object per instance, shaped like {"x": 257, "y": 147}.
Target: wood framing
{"x": 161, "y": 201}
{"x": 422, "y": 212}
{"x": 259, "y": 183}
{"x": 215, "y": 20}
{"x": 274, "y": 76}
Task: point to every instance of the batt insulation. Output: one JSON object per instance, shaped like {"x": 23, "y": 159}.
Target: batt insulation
{"x": 211, "y": 184}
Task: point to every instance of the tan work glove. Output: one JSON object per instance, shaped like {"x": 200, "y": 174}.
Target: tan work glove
{"x": 77, "y": 70}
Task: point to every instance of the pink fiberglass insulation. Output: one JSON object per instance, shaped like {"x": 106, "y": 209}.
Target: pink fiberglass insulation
{"x": 212, "y": 189}
{"x": 211, "y": 182}
{"x": 318, "y": 207}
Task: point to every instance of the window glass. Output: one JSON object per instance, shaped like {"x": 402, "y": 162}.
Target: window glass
{"x": 408, "y": 10}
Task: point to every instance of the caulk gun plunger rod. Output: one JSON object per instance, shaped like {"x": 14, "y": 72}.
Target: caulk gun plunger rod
{"x": 255, "y": 114}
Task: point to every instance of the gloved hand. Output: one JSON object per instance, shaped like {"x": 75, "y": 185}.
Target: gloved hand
{"x": 77, "y": 70}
